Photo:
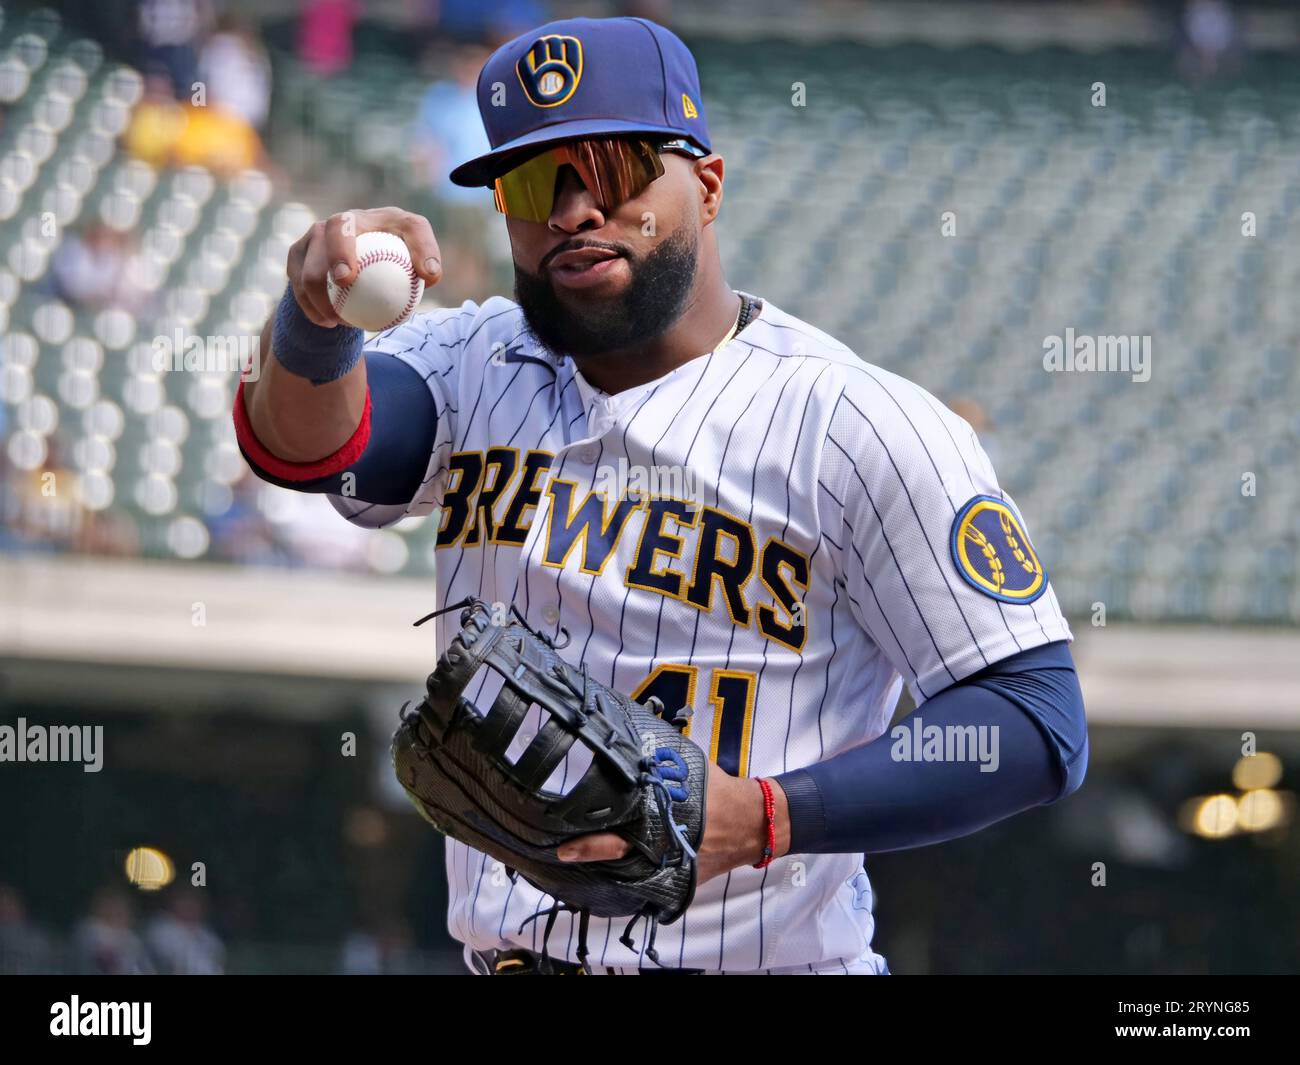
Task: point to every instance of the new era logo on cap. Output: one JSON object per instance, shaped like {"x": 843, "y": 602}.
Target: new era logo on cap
{"x": 584, "y": 78}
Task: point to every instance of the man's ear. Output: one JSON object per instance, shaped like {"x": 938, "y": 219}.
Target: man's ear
{"x": 709, "y": 173}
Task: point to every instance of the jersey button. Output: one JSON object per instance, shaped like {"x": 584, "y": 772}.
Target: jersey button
{"x": 551, "y": 615}
{"x": 588, "y": 454}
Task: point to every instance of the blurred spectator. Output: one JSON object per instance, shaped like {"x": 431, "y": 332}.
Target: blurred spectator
{"x": 489, "y": 22}
{"x": 386, "y": 951}
{"x": 7, "y": 500}
{"x": 325, "y": 35}
{"x": 361, "y": 955}
{"x": 236, "y": 70}
{"x": 304, "y": 527}
{"x": 218, "y": 140}
{"x": 660, "y": 11}
{"x": 108, "y": 533}
{"x": 42, "y": 508}
{"x": 181, "y": 942}
{"x": 242, "y": 532}
{"x": 973, "y": 412}
{"x": 448, "y": 130}
{"x": 1210, "y": 39}
{"x": 115, "y": 24}
{"x": 156, "y": 123}
{"x": 24, "y": 948}
{"x": 88, "y": 268}
{"x": 105, "y": 941}
{"x": 164, "y": 132}
{"x": 170, "y": 31}
{"x": 268, "y": 526}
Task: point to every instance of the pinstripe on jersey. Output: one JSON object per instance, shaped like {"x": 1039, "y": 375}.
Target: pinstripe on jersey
{"x": 823, "y": 491}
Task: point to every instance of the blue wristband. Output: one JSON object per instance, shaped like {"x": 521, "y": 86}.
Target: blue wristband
{"x": 304, "y": 348}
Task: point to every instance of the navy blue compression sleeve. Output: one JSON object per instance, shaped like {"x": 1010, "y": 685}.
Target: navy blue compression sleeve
{"x": 886, "y": 795}
{"x": 403, "y": 420}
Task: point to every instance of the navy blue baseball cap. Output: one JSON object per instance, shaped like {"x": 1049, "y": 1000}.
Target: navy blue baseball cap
{"x": 584, "y": 77}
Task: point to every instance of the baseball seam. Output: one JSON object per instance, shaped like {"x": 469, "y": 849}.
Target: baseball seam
{"x": 385, "y": 256}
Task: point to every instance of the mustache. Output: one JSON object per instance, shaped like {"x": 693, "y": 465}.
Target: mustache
{"x": 577, "y": 245}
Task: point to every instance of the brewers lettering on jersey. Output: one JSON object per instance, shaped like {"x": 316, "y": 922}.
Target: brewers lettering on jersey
{"x": 785, "y": 600}
{"x": 700, "y": 498}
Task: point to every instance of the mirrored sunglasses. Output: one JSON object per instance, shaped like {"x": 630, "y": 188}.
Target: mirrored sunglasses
{"x": 612, "y": 169}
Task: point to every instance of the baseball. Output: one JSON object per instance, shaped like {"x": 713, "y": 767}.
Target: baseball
{"x": 385, "y": 289}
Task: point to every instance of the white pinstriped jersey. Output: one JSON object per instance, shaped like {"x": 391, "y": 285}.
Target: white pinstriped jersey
{"x": 794, "y": 567}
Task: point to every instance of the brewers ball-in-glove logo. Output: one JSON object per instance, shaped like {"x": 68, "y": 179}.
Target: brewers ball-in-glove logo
{"x": 551, "y": 69}
{"x": 993, "y": 553}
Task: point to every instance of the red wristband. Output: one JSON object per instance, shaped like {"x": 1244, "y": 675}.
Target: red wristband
{"x": 264, "y": 460}
{"x": 769, "y": 810}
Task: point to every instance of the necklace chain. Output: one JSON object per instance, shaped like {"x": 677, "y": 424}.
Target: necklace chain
{"x": 735, "y": 326}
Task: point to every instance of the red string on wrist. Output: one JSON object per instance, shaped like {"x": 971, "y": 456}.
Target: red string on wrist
{"x": 769, "y": 810}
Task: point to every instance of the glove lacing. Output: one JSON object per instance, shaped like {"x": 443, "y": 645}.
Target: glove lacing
{"x": 650, "y": 777}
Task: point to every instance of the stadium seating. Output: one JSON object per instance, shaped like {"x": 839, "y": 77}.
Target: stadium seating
{"x": 1171, "y": 498}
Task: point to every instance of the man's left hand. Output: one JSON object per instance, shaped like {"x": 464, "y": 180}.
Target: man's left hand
{"x": 735, "y": 829}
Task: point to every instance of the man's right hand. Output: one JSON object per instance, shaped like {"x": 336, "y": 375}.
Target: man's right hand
{"x": 292, "y": 418}
{"x": 330, "y": 247}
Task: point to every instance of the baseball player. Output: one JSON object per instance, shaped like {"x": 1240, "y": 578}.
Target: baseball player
{"x": 699, "y": 497}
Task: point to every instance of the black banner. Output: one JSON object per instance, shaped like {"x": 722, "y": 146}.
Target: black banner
{"x": 168, "y": 1014}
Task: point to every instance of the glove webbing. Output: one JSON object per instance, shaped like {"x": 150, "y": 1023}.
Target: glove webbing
{"x": 651, "y": 776}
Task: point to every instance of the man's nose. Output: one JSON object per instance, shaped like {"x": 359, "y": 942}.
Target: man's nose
{"x": 575, "y": 208}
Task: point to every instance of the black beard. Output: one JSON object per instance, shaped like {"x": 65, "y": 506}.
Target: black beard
{"x": 661, "y": 284}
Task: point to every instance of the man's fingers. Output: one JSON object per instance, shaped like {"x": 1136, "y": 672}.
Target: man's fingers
{"x": 308, "y": 289}
{"x": 313, "y": 296}
{"x": 423, "y": 245}
{"x": 341, "y": 232}
{"x": 329, "y": 248}
{"x": 598, "y": 847}
{"x": 416, "y": 231}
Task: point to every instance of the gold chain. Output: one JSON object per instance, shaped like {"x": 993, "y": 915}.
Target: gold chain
{"x": 734, "y": 326}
